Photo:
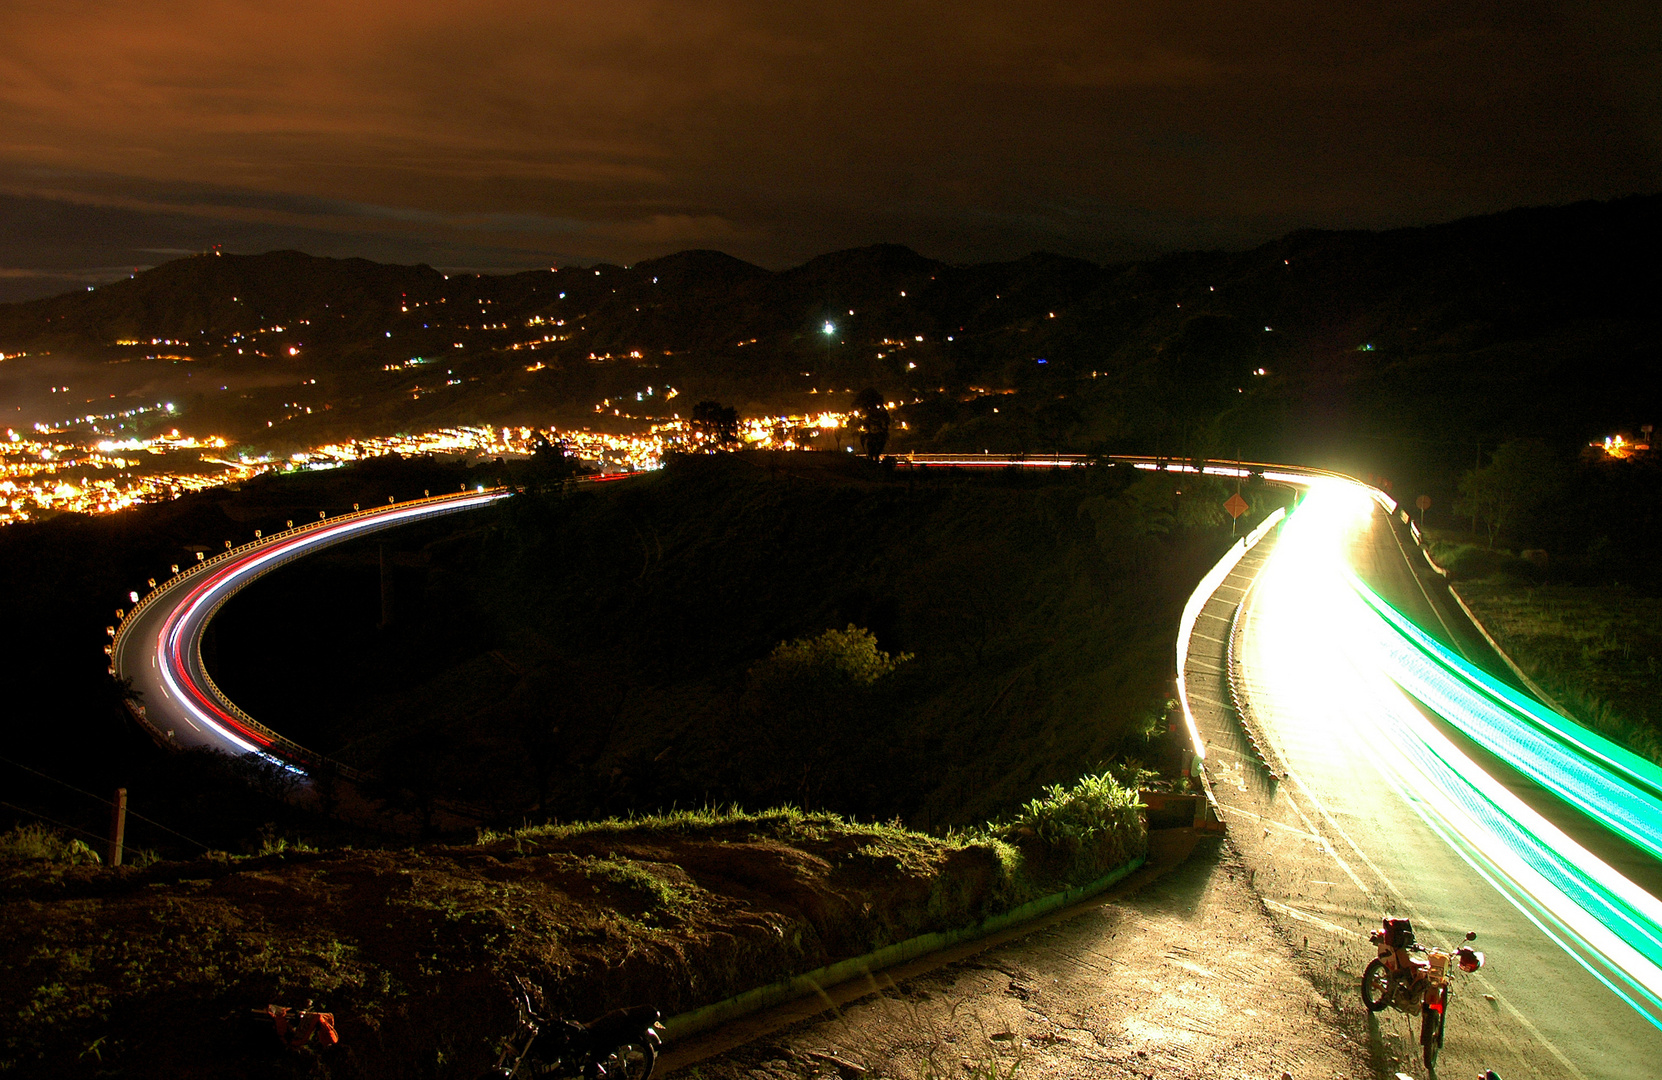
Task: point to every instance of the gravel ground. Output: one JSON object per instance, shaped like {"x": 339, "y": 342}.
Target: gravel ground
{"x": 1185, "y": 977}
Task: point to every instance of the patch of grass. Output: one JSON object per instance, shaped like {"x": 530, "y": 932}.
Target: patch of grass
{"x": 1597, "y": 651}
{"x": 1472, "y": 562}
{"x": 783, "y": 822}
{"x": 680, "y": 908}
{"x": 635, "y": 877}
{"x": 37, "y": 842}
{"x": 272, "y": 843}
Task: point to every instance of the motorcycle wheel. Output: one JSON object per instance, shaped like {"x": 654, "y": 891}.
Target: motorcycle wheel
{"x": 1431, "y": 1036}
{"x": 632, "y": 1061}
{"x": 1376, "y": 985}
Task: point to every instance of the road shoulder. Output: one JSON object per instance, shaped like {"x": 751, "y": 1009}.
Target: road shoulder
{"x": 1184, "y": 976}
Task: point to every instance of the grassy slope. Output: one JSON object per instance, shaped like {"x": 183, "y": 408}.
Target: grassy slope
{"x": 1594, "y": 649}
{"x": 155, "y": 970}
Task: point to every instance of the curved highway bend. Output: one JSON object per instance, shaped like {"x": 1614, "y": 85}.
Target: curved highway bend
{"x": 158, "y": 645}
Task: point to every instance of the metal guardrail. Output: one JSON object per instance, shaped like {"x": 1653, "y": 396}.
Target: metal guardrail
{"x": 1242, "y": 701}
{"x": 125, "y": 617}
{"x": 986, "y": 459}
{"x": 1191, "y": 613}
{"x": 281, "y": 746}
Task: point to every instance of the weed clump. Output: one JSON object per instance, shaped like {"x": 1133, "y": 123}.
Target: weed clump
{"x": 1077, "y": 833}
{"x": 632, "y": 876}
{"x": 38, "y": 843}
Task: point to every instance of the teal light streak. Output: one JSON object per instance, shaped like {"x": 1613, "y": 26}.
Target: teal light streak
{"x": 1575, "y": 764}
{"x": 1612, "y": 785}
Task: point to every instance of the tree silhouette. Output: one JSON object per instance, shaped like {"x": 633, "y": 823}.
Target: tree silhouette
{"x": 1522, "y": 477}
{"x": 718, "y": 423}
{"x": 873, "y": 421}
{"x": 552, "y": 463}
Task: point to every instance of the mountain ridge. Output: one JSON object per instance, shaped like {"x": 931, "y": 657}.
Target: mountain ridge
{"x": 1536, "y": 320}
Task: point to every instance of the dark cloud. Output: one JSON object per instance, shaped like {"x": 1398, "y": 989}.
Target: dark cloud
{"x": 523, "y": 131}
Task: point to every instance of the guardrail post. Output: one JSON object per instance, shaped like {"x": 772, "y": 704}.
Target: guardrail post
{"x": 118, "y": 825}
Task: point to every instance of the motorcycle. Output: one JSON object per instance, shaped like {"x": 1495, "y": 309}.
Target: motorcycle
{"x": 621, "y": 1045}
{"x": 295, "y": 1028}
{"x": 1397, "y": 977}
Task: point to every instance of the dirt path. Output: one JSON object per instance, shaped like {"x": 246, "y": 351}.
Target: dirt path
{"x": 1183, "y": 978}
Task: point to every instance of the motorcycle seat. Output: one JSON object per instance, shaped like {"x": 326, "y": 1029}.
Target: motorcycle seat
{"x": 1407, "y": 961}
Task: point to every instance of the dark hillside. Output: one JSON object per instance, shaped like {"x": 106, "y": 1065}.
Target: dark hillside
{"x": 589, "y": 655}
{"x": 208, "y": 295}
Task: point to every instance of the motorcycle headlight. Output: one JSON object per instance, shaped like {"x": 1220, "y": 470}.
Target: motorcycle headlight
{"x": 1470, "y": 960}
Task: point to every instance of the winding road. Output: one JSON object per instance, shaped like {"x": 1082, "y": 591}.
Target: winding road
{"x": 1385, "y": 774}
{"x": 158, "y": 645}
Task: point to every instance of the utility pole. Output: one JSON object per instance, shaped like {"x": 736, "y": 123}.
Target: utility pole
{"x": 118, "y": 825}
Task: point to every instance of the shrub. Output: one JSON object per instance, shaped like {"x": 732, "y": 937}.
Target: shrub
{"x": 836, "y": 656}
{"x": 1080, "y": 832}
{"x": 1468, "y": 562}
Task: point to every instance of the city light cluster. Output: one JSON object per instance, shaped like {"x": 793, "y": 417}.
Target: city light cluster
{"x": 39, "y": 475}
{"x": 94, "y": 419}
{"x": 52, "y": 471}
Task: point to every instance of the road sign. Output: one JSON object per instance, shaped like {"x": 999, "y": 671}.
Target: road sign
{"x": 1423, "y": 502}
{"x": 1236, "y": 505}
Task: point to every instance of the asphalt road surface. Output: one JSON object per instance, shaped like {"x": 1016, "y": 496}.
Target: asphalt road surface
{"x": 1374, "y": 816}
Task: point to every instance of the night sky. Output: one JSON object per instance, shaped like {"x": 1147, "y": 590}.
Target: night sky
{"x": 505, "y": 135}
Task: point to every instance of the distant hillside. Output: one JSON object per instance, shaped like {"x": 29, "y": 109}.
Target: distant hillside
{"x": 1392, "y": 348}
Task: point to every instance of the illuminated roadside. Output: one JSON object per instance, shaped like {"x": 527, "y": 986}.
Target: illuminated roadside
{"x": 1326, "y": 666}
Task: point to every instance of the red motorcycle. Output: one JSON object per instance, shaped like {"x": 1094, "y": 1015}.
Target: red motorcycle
{"x": 1399, "y": 976}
